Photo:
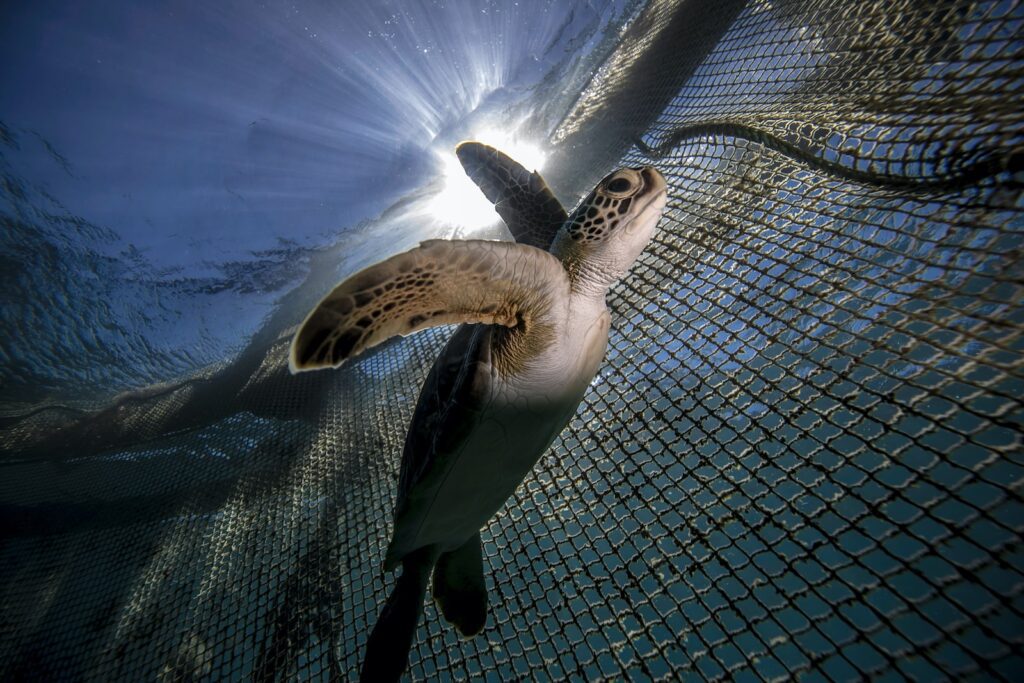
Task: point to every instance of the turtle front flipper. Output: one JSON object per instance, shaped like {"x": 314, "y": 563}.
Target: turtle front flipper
{"x": 459, "y": 589}
{"x": 521, "y": 198}
{"x": 440, "y": 282}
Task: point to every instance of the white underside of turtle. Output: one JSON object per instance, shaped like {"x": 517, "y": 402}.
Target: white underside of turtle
{"x": 518, "y": 420}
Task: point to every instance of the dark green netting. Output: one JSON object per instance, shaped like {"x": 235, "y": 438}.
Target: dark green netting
{"x": 802, "y": 455}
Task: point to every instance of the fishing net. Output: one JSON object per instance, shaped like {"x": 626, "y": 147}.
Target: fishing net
{"x": 803, "y": 453}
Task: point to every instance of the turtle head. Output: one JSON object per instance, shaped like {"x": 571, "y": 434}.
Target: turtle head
{"x": 609, "y": 229}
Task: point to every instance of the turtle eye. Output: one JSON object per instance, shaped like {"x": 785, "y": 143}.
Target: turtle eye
{"x": 620, "y": 185}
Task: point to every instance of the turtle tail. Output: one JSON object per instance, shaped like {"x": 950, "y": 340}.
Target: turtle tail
{"x": 387, "y": 650}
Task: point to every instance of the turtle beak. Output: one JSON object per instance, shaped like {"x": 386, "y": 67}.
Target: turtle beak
{"x": 654, "y": 182}
{"x": 653, "y": 197}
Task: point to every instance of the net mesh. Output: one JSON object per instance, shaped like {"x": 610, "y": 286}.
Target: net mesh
{"x": 803, "y": 453}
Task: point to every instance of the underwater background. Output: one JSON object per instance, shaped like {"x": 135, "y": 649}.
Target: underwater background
{"x": 802, "y": 458}
{"x": 171, "y": 169}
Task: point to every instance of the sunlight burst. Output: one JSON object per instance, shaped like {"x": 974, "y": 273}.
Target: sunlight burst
{"x": 460, "y": 202}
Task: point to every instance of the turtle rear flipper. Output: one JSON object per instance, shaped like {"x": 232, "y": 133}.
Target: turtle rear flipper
{"x": 387, "y": 650}
{"x": 459, "y": 589}
{"x": 522, "y": 198}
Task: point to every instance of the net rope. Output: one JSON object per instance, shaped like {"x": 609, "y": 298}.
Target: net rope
{"x": 803, "y": 453}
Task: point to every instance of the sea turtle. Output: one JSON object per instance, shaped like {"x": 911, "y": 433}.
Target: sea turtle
{"x": 534, "y": 332}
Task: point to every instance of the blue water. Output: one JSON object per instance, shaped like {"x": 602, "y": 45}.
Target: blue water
{"x": 170, "y": 169}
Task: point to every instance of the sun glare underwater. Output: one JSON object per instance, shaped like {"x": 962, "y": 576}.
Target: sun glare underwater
{"x": 460, "y": 203}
